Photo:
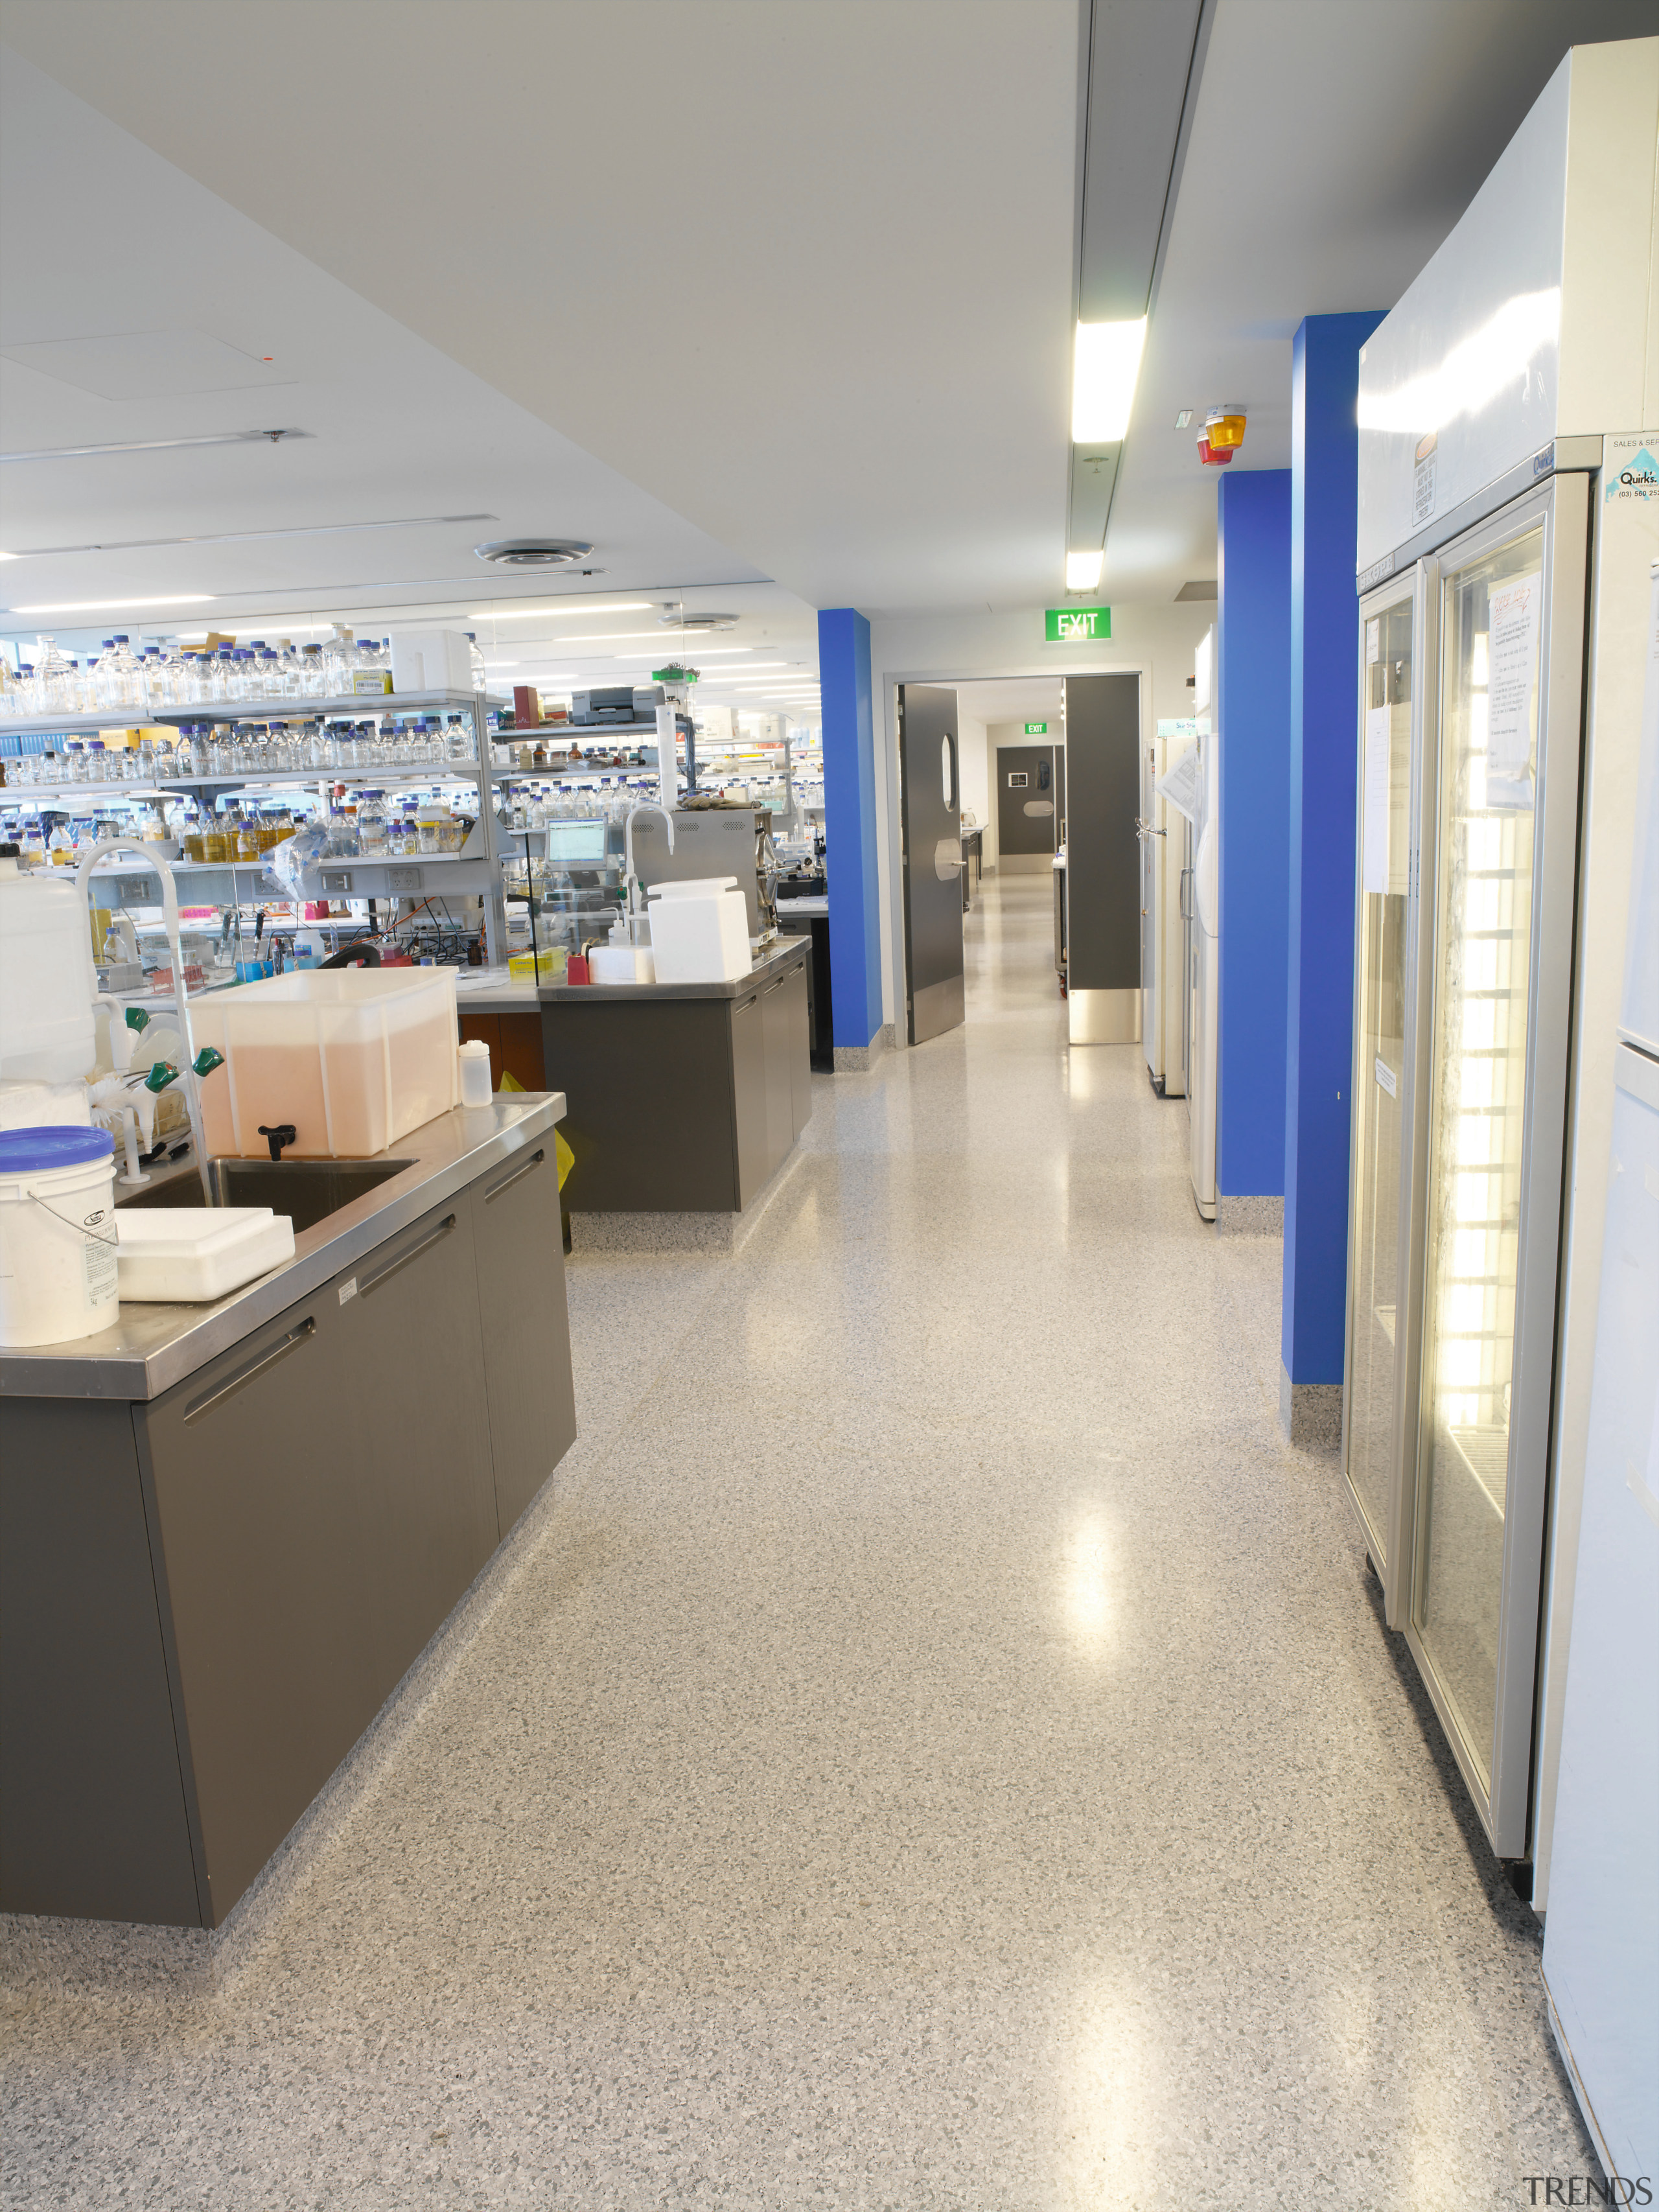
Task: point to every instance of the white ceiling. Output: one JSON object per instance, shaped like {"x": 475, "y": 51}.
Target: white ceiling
{"x": 802, "y": 270}
{"x": 1335, "y": 144}
{"x": 100, "y": 238}
{"x": 1015, "y": 699}
{"x": 763, "y": 297}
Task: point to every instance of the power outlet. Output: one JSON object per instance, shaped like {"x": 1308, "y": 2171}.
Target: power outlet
{"x": 138, "y": 890}
{"x": 401, "y": 881}
{"x": 337, "y": 879}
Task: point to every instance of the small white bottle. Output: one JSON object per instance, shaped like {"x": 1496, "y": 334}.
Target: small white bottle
{"x": 476, "y": 1089}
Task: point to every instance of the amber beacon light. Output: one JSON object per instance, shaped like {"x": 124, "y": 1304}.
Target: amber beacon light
{"x": 1221, "y": 437}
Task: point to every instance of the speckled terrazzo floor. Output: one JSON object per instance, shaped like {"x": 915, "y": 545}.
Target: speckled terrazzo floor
{"x": 933, "y": 1745}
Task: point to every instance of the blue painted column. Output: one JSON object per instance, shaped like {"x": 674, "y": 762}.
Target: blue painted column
{"x": 1252, "y": 721}
{"x": 849, "y": 825}
{"x": 1319, "y": 1043}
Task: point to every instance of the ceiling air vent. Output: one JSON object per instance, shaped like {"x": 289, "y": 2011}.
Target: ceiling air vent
{"x": 534, "y": 552}
{"x": 701, "y": 623}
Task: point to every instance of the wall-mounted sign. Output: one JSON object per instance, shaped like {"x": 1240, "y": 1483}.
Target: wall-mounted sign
{"x": 1061, "y": 623}
{"x": 1036, "y": 729}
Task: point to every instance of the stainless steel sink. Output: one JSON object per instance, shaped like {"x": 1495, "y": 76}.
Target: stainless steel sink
{"x": 307, "y": 1191}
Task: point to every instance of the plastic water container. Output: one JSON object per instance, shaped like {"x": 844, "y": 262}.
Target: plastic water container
{"x": 47, "y": 982}
{"x": 352, "y": 1057}
{"x": 700, "y": 931}
{"x": 57, "y": 1259}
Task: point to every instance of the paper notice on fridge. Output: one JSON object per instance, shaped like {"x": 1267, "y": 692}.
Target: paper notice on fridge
{"x": 1374, "y": 803}
{"x": 1512, "y": 681}
{"x": 1182, "y": 786}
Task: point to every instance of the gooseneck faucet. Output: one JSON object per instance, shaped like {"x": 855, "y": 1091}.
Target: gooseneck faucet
{"x": 634, "y": 814}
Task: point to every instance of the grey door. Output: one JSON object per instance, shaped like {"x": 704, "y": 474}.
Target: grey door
{"x": 929, "y": 797}
{"x": 1028, "y": 801}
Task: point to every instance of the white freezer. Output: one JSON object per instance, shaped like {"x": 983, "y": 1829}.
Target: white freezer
{"x": 1601, "y": 1932}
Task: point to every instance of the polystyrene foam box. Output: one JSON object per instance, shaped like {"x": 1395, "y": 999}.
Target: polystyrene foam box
{"x": 431, "y": 660}
{"x": 353, "y": 1057}
{"x": 700, "y": 931}
{"x": 187, "y": 1254}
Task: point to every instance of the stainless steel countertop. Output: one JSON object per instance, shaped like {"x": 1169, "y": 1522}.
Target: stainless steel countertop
{"x": 151, "y": 1348}
{"x": 771, "y": 960}
{"x": 495, "y": 991}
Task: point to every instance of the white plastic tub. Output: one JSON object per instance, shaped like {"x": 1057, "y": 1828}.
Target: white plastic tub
{"x": 186, "y": 1255}
{"x": 351, "y": 1057}
{"x": 57, "y": 1266}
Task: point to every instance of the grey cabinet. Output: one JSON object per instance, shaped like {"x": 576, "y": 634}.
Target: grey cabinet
{"x": 206, "y": 1598}
{"x": 521, "y": 1290}
{"x": 322, "y": 1497}
{"x": 751, "y": 1140}
{"x": 797, "y": 997}
{"x": 681, "y": 1104}
{"x": 91, "y": 1806}
{"x": 772, "y": 1077}
{"x": 776, "y": 1028}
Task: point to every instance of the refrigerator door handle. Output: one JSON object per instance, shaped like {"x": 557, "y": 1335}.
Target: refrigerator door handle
{"x": 1180, "y": 894}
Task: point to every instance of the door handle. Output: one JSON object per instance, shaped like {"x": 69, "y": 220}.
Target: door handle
{"x": 432, "y": 1238}
{"x": 228, "y": 1389}
{"x": 1181, "y": 893}
{"x": 517, "y": 1175}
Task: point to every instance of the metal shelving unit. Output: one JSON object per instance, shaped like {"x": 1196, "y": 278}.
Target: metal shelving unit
{"x": 476, "y": 871}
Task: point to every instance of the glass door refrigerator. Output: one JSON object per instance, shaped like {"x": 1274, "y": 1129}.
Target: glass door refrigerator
{"x": 1485, "y": 397}
{"x": 1472, "y": 681}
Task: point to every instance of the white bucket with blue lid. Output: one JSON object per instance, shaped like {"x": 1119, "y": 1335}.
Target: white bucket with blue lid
{"x": 58, "y": 1275}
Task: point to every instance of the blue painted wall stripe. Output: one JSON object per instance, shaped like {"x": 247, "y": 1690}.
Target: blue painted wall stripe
{"x": 849, "y": 825}
{"x": 1324, "y": 648}
{"x": 1253, "y": 709}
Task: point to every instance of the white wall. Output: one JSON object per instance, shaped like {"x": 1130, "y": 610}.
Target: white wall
{"x": 930, "y": 648}
{"x": 974, "y": 768}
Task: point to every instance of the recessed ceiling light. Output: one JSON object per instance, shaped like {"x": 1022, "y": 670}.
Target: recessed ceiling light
{"x": 535, "y": 552}
{"x": 106, "y": 606}
{"x": 1083, "y": 571}
{"x": 575, "y": 606}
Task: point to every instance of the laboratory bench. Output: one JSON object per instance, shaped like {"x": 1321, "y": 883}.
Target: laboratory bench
{"x": 682, "y": 1099}
{"x": 228, "y": 1530}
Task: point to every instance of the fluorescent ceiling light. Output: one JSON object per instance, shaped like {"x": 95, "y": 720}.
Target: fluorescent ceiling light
{"x": 241, "y": 536}
{"x": 154, "y": 445}
{"x": 1104, "y": 367}
{"x": 105, "y": 607}
{"x": 627, "y": 637}
{"x": 1083, "y": 571}
{"x": 576, "y": 606}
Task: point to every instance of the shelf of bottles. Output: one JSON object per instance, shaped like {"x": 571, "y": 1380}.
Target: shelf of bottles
{"x": 351, "y": 748}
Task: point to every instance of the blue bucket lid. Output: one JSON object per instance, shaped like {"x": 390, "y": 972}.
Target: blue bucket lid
{"x": 32, "y": 1152}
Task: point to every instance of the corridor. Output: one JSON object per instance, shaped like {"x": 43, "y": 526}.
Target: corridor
{"x": 933, "y": 1745}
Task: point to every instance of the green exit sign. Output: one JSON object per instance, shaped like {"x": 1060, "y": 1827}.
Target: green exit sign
{"x": 1060, "y": 623}
{"x": 1036, "y": 729}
